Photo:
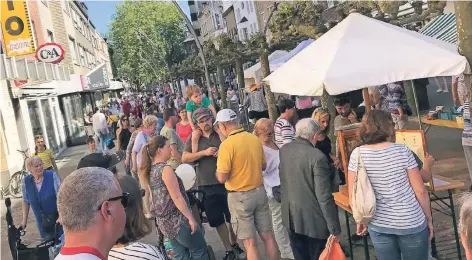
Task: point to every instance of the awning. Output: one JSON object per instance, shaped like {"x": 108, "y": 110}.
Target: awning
{"x": 442, "y": 28}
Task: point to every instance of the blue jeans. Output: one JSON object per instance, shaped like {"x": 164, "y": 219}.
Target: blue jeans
{"x": 102, "y": 141}
{"x": 187, "y": 246}
{"x": 406, "y": 247}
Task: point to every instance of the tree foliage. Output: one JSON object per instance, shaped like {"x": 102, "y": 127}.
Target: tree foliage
{"x": 147, "y": 39}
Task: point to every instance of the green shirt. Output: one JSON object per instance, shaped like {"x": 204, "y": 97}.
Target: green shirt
{"x": 173, "y": 138}
{"x": 191, "y": 106}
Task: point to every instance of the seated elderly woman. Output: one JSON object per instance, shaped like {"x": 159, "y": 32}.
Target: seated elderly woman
{"x": 465, "y": 225}
{"x": 137, "y": 227}
{"x": 40, "y": 190}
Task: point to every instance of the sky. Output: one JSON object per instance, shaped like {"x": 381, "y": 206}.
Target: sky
{"x": 101, "y": 12}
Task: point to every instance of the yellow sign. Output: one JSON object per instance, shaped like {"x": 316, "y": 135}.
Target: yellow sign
{"x": 16, "y": 28}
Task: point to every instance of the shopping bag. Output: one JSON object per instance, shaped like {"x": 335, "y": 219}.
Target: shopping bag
{"x": 332, "y": 251}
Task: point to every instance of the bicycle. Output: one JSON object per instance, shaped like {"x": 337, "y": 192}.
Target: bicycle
{"x": 14, "y": 184}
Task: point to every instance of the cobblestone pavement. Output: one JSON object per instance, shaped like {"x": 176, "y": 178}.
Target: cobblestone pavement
{"x": 444, "y": 144}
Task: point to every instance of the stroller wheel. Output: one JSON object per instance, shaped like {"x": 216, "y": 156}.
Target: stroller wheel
{"x": 211, "y": 253}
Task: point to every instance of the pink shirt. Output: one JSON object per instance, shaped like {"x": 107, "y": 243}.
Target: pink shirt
{"x": 183, "y": 131}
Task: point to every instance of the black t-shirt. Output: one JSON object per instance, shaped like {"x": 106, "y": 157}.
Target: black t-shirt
{"x": 325, "y": 147}
{"x": 125, "y": 135}
{"x": 206, "y": 169}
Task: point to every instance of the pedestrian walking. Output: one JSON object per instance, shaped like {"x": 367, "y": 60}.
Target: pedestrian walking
{"x": 44, "y": 153}
{"x": 309, "y": 226}
{"x": 92, "y": 211}
{"x": 100, "y": 128}
{"x": 264, "y": 129}
{"x": 176, "y": 144}
{"x": 240, "y": 163}
{"x": 395, "y": 98}
{"x": 123, "y": 134}
{"x": 137, "y": 227}
{"x": 129, "y": 149}
{"x": 284, "y": 132}
{"x": 216, "y": 196}
{"x": 170, "y": 205}
{"x": 256, "y": 102}
{"x": 402, "y": 224}
{"x": 39, "y": 190}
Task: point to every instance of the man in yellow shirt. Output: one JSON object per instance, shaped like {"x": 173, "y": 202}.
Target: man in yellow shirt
{"x": 240, "y": 163}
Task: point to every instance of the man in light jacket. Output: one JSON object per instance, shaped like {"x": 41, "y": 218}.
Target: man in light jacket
{"x": 308, "y": 208}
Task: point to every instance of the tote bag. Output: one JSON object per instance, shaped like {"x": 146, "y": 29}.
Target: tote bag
{"x": 363, "y": 197}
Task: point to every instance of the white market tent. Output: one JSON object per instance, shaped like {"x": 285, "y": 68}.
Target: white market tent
{"x": 256, "y": 71}
{"x": 278, "y": 62}
{"x": 361, "y": 52}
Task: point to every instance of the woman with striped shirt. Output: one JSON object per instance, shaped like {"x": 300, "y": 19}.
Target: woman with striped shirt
{"x": 284, "y": 132}
{"x": 402, "y": 225}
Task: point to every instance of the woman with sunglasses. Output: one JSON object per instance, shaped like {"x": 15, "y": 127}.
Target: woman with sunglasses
{"x": 123, "y": 133}
{"x": 170, "y": 204}
{"x": 44, "y": 153}
{"x": 137, "y": 226}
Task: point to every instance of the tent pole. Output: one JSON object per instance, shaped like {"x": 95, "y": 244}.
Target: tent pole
{"x": 365, "y": 95}
{"x": 416, "y": 104}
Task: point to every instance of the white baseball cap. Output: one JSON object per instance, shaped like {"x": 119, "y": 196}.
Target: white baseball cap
{"x": 225, "y": 115}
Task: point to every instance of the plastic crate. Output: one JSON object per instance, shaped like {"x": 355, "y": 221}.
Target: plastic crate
{"x": 445, "y": 115}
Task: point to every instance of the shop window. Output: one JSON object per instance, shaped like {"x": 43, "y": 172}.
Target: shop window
{"x": 50, "y": 36}
{"x": 193, "y": 17}
{"x": 49, "y": 116}
{"x": 83, "y": 62}
{"x": 73, "y": 50}
{"x": 35, "y": 117}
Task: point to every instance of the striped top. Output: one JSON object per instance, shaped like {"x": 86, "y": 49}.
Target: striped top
{"x": 396, "y": 203}
{"x": 135, "y": 251}
{"x": 284, "y": 132}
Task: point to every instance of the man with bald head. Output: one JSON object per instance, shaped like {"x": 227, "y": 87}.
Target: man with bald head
{"x": 91, "y": 209}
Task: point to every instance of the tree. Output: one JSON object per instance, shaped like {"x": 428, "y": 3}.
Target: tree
{"x": 147, "y": 40}
{"x": 464, "y": 30}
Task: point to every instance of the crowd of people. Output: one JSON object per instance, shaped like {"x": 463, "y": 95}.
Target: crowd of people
{"x": 275, "y": 183}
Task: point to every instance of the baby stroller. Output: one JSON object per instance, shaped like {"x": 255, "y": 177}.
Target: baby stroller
{"x": 20, "y": 251}
{"x": 196, "y": 198}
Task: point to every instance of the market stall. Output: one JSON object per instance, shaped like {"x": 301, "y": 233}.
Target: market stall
{"x": 360, "y": 52}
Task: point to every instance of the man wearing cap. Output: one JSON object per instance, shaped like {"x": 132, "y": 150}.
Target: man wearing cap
{"x": 240, "y": 163}
{"x": 206, "y": 143}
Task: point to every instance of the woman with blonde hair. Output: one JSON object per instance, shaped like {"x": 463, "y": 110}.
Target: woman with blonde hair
{"x": 465, "y": 224}
{"x": 322, "y": 117}
{"x": 264, "y": 129}
{"x": 147, "y": 132}
{"x": 170, "y": 204}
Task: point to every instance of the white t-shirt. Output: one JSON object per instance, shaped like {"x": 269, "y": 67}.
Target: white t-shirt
{"x": 79, "y": 253}
{"x": 135, "y": 251}
{"x": 271, "y": 173}
{"x": 139, "y": 142}
{"x": 99, "y": 123}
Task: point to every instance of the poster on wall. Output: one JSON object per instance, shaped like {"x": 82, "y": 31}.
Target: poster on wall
{"x": 16, "y": 28}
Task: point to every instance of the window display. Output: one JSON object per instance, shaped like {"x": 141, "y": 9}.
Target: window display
{"x": 48, "y": 117}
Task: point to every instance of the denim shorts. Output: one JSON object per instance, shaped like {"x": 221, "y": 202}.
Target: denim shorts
{"x": 407, "y": 247}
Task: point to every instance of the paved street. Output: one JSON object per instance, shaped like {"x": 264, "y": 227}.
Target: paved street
{"x": 443, "y": 144}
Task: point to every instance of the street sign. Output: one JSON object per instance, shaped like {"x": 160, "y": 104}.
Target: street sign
{"x": 16, "y": 28}
{"x": 96, "y": 79}
{"x": 50, "y": 53}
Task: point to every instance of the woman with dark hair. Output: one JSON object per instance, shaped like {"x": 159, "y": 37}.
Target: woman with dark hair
{"x": 170, "y": 204}
{"x": 183, "y": 128}
{"x": 44, "y": 153}
{"x": 137, "y": 226}
{"x": 123, "y": 134}
{"x": 402, "y": 224}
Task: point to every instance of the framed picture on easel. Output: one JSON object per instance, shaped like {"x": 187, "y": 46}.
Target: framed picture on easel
{"x": 347, "y": 142}
{"x": 416, "y": 141}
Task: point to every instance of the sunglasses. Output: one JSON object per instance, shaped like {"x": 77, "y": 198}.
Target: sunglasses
{"x": 123, "y": 199}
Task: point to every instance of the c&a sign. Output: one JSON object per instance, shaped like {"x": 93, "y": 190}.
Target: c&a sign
{"x": 16, "y": 28}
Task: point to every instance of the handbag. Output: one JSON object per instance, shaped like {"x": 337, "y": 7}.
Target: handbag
{"x": 363, "y": 201}
{"x": 332, "y": 251}
{"x": 276, "y": 193}
{"x": 48, "y": 221}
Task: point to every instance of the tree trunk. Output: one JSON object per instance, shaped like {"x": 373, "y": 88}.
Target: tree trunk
{"x": 265, "y": 68}
{"x": 327, "y": 101}
{"x": 221, "y": 86}
{"x": 239, "y": 73}
{"x": 464, "y": 29}
{"x": 185, "y": 81}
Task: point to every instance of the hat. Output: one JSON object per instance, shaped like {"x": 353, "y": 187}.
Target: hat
{"x": 101, "y": 160}
{"x": 201, "y": 112}
{"x": 225, "y": 115}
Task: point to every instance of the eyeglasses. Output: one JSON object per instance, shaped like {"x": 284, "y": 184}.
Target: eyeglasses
{"x": 123, "y": 199}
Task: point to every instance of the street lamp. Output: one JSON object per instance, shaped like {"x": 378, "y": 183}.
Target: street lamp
{"x": 199, "y": 46}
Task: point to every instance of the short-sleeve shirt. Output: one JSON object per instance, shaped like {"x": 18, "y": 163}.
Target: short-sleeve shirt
{"x": 206, "y": 169}
{"x": 241, "y": 156}
{"x": 284, "y": 132}
{"x": 136, "y": 251}
{"x": 46, "y": 156}
{"x": 191, "y": 106}
{"x": 173, "y": 138}
{"x": 139, "y": 142}
{"x": 396, "y": 203}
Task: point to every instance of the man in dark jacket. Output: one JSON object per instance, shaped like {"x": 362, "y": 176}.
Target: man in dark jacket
{"x": 308, "y": 208}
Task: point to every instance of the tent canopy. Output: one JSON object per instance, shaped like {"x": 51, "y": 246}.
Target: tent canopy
{"x": 361, "y": 52}
{"x": 278, "y": 62}
{"x": 256, "y": 72}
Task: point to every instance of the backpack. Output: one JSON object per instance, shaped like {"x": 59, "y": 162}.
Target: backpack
{"x": 363, "y": 196}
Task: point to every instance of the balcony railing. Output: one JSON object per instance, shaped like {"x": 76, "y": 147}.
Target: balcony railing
{"x": 23, "y": 69}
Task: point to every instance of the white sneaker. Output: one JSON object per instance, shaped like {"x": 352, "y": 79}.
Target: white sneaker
{"x": 446, "y": 90}
{"x": 439, "y": 90}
